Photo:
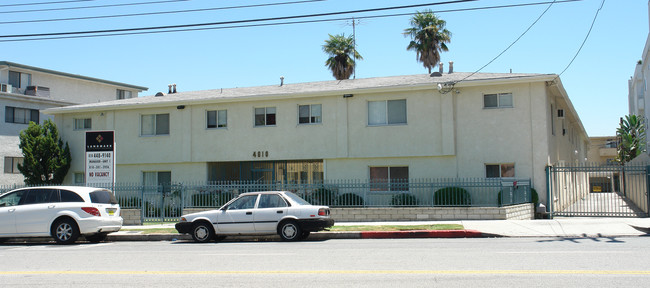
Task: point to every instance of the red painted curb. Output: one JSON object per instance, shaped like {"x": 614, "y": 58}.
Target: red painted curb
{"x": 421, "y": 234}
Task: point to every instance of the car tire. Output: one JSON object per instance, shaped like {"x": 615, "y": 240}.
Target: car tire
{"x": 96, "y": 238}
{"x": 65, "y": 231}
{"x": 202, "y": 232}
{"x": 289, "y": 231}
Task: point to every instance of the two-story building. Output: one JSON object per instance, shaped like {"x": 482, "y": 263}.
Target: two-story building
{"x": 403, "y": 127}
{"x": 25, "y": 91}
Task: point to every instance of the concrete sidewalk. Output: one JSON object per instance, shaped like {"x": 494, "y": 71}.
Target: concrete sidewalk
{"x": 558, "y": 227}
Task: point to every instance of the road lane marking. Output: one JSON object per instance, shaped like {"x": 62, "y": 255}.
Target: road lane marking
{"x": 340, "y": 272}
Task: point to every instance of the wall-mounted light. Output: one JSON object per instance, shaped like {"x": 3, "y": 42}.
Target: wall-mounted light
{"x": 347, "y": 95}
{"x": 180, "y": 107}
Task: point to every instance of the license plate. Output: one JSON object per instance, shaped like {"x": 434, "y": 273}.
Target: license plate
{"x": 111, "y": 212}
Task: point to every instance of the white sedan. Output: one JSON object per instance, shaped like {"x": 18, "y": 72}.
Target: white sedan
{"x": 63, "y": 213}
{"x": 258, "y": 213}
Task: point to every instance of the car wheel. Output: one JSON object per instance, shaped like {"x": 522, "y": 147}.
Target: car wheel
{"x": 202, "y": 232}
{"x": 65, "y": 231}
{"x": 290, "y": 231}
{"x": 96, "y": 238}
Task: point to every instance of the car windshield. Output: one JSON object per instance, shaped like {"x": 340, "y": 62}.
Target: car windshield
{"x": 103, "y": 197}
{"x": 296, "y": 198}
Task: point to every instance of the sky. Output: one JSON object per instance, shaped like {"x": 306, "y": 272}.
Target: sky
{"x": 596, "y": 81}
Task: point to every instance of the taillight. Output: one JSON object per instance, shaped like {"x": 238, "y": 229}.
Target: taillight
{"x": 323, "y": 212}
{"x": 91, "y": 210}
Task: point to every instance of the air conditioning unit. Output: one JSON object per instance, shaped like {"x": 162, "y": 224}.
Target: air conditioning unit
{"x": 560, "y": 113}
{"x": 5, "y": 88}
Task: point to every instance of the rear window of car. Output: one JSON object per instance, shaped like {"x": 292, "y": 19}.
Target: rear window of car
{"x": 69, "y": 196}
{"x": 103, "y": 197}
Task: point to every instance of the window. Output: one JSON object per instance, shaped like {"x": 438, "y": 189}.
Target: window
{"x": 389, "y": 178}
{"x": 69, "y": 196}
{"x": 12, "y": 199}
{"x": 265, "y": 116}
{"x": 162, "y": 180}
{"x": 21, "y": 115}
{"x": 309, "y": 114}
{"x": 501, "y": 100}
{"x": 79, "y": 178}
{"x": 154, "y": 124}
{"x": 387, "y": 112}
{"x": 124, "y": 94}
{"x": 218, "y": 119}
{"x": 36, "y": 196}
{"x": 500, "y": 170}
{"x": 82, "y": 124}
{"x": 11, "y": 164}
{"x": 19, "y": 79}
{"x": 245, "y": 202}
{"x": 271, "y": 201}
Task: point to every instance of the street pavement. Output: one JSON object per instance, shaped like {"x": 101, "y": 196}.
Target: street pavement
{"x": 558, "y": 227}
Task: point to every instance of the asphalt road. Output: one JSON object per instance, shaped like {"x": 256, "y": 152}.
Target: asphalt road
{"x": 484, "y": 262}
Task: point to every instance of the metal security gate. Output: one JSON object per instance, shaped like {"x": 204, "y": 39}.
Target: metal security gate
{"x": 598, "y": 191}
{"x": 161, "y": 203}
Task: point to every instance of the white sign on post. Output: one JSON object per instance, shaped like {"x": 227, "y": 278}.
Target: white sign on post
{"x": 100, "y": 157}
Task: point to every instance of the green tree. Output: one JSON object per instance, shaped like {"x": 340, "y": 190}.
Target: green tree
{"x": 46, "y": 159}
{"x": 342, "y": 55}
{"x": 429, "y": 37}
{"x": 632, "y": 137}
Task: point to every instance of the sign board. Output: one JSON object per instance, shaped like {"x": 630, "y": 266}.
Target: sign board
{"x": 100, "y": 157}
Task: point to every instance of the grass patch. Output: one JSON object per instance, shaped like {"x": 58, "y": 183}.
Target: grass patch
{"x": 335, "y": 228}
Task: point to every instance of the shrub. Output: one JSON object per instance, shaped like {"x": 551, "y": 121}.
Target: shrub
{"x": 404, "y": 199}
{"x": 349, "y": 199}
{"x": 323, "y": 196}
{"x": 452, "y": 196}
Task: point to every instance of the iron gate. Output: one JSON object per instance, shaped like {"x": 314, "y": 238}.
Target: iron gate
{"x": 598, "y": 191}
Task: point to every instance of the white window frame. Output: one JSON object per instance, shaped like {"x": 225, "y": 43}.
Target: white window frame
{"x": 386, "y": 113}
{"x": 500, "y": 101}
{"x": 217, "y": 113}
{"x": 266, "y": 115}
{"x": 501, "y": 169}
{"x": 83, "y": 123}
{"x": 311, "y": 118}
{"x": 123, "y": 94}
{"x": 154, "y": 123}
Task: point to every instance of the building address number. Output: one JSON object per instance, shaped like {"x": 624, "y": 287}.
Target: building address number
{"x": 260, "y": 154}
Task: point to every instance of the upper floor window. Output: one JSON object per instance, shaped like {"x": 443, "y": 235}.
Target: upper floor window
{"x": 21, "y": 115}
{"x": 124, "y": 94}
{"x": 20, "y": 79}
{"x": 387, "y": 112}
{"x": 11, "y": 164}
{"x": 500, "y": 100}
{"x": 154, "y": 124}
{"x": 265, "y": 116}
{"x": 500, "y": 170}
{"x": 83, "y": 124}
{"x": 389, "y": 178}
{"x": 217, "y": 119}
{"x": 309, "y": 114}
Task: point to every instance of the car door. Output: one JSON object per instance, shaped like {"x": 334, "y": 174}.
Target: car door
{"x": 237, "y": 217}
{"x": 8, "y": 204}
{"x": 270, "y": 210}
{"x": 34, "y": 213}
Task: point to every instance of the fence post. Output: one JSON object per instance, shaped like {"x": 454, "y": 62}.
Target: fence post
{"x": 647, "y": 189}
{"x": 549, "y": 191}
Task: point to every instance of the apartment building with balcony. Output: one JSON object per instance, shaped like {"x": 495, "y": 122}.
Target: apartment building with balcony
{"x": 25, "y": 91}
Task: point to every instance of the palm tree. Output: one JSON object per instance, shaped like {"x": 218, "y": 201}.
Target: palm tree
{"x": 632, "y": 137}
{"x": 342, "y": 55}
{"x": 428, "y": 38}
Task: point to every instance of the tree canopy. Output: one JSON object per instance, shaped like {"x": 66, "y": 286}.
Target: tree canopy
{"x": 429, "y": 38}
{"x": 46, "y": 159}
{"x": 342, "y": 55}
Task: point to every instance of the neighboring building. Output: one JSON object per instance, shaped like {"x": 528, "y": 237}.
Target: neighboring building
{"x": 25, "y": 91}
{"x": 602, "y": 150}
{"x": 417, "y": 126}
{"x": 638, "y": 85}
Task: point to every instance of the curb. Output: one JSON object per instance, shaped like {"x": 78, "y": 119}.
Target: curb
{"x": 421, "y": 234}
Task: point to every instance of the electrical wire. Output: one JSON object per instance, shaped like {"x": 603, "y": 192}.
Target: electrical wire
{"x": 583, "y": 41}
{"x": 281, "y": 23}
{"x": 44, "y": 3}
{"x": 91, "y": 7}
{"x": 160, "y": 13}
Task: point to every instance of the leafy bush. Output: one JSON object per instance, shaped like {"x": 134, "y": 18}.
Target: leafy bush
{"x": 404, "y": 199}
{"x": 323, "y": 196}
{"x": 452, "y": 196}
{"x": 349, "y": 199}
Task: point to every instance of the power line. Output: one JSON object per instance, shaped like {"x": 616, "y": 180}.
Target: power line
{"x": 159, "y": 13}
{"x": 583, "y": 41}
{"x": 275, "y": 24}
{"x": 44, "y": 3}
{"x": 91, "y": 7}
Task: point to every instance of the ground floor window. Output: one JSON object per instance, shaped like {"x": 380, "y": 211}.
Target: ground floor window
{"x": 389, "y": 178}
{"x": 11, "y": 164}
{"x": 506, "y": 170}
{"x": 278, "y": 172}
{"x": 160, "y": 179}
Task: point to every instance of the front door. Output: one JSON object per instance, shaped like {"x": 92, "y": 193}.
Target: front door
{"x": 8, "y": 204}
{"x": 36, "y": 210}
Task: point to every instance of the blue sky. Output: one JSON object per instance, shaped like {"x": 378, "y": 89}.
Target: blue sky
{"x": 238, "y": 57}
